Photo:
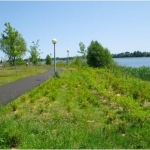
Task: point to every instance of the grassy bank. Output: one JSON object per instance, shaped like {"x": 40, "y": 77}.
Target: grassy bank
{"x": 83, "y": 108}
{"x": 8, "y": 74}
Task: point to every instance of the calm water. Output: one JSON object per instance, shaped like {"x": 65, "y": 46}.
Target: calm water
{"x": 133, "y": 62}
{"x": 129, "y": 62}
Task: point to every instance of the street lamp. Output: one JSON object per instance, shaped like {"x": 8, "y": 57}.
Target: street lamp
{"x": 54, "y": 41}
{"x": 68, "y": 56}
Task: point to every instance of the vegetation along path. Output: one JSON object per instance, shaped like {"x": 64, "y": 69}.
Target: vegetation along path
{"x": 12, "y": 90}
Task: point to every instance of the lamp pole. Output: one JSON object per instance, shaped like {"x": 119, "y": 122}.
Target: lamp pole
{"x": 54, "y": 41}
{"x": 68, "y": 57}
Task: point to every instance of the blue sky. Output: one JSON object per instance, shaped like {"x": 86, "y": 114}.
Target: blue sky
{"x": 119, "y": 26}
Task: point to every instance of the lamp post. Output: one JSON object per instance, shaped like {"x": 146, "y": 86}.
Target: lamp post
{"x": 68, "y": 56}
{"x": 54, "y": 41}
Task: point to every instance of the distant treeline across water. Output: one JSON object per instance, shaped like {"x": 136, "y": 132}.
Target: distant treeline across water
{"x": 119, "y": 55}
{"x": 130, "y": 54}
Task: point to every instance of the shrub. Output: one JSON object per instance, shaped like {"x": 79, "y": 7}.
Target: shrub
{"x": 48, "y": 60}
{"x": 97, "y": 56}
{"x": 76, "y": 61}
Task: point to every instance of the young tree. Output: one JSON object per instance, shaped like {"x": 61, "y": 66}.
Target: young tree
{"x": 4, "y": 63}
{"x": 12, "y": 43}
{"x": 82, "y": 50}
{"x": 34, "y": 52}
{"x": 48, "y": 60}
{"x": 98, "y": 56}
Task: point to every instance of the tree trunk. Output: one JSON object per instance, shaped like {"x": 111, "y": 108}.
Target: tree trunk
{"x": 13, "y": 61}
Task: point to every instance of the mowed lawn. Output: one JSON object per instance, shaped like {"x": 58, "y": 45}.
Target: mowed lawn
{"x": 8, "y": 74}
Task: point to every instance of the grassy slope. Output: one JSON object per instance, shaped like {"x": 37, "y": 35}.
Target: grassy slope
{"x": 9, "y": 75}
{"x": 84, "y": 108}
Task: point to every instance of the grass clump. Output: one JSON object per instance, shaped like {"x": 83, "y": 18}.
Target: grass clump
{"x": 83, "y": 108}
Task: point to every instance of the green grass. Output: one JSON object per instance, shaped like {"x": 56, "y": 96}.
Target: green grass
{"x": 8, "y": 74}
{"x": 83, "y": 108}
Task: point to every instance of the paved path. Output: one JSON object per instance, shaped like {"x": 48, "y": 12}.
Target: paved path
{"x": 13, "y": 90}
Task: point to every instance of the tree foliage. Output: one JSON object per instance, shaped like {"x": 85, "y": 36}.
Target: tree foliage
{"x": 12, "y": 43}
{"x": 98, "y": 56}
{"x": 34, "y": 52}
{"x": 48, "y": 60}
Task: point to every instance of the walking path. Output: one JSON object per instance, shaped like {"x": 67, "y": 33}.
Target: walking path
{"x": 13, "y": 90}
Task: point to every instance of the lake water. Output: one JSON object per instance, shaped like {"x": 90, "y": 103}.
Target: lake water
{"x": 129, "y": 62}
{"x": 133, "y": 61}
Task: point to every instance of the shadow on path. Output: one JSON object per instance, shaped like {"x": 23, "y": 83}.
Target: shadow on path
{"x": 13, "y": 90}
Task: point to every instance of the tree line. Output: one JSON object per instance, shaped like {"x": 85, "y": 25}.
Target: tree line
{"x": 14, "y": 46}
{"x": 131, "y": 54}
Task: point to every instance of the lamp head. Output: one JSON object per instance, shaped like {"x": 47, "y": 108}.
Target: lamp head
{"x": 54, "y": 41}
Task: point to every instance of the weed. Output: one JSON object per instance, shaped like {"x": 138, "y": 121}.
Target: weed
{"x": 10, "y": 139}
{"x": 57, "y": 74}
{"x": 14, "y": 106}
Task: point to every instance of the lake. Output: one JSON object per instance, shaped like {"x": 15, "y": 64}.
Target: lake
{"x": 133, "y": 61}
{"x": 129, "y": 62}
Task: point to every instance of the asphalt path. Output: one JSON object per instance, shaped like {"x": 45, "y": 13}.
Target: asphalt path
{"x": 13, "y": 90}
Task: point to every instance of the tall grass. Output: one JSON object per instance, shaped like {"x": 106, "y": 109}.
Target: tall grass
{"x": 140, "y": 72}
{"x": 83, "y": 108}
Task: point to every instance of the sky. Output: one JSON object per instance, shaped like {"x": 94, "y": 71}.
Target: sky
{"x": 121, "y": 26}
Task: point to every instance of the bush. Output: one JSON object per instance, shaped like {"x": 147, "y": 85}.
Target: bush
{"x": 97, "y": 56}
{"x": 20, "y": 61}
{"x": 76, "y": 61}
{"x": 48, "y": 60}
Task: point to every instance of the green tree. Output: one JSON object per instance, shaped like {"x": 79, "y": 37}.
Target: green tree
{"x": 12, "y": 43}
{"x": 97, "y": 56}
{"x": 48, "y": 60}
{"x": 83, "y": 51}
{"x": 34, "y": 52}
